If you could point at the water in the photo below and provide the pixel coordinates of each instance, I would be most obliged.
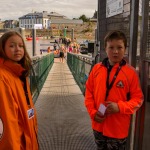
(40, 44)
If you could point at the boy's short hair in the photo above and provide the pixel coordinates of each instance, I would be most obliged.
(118, 35)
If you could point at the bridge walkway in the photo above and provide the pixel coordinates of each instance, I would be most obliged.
(63, 121)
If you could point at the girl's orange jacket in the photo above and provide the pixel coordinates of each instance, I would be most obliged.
(115, 125)
(18, 124)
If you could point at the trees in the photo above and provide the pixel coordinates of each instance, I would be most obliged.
(84, 18)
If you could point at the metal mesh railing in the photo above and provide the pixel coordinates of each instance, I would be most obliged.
(80, 67)
(148, 84)
(39, 71)
(148, 38)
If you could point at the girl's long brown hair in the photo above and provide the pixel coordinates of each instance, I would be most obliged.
(25, 61)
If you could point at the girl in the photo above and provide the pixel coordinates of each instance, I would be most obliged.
(17, 113)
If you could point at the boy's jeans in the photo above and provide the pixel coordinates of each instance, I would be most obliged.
(106, 143)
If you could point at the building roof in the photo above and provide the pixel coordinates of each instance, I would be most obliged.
(43, 14)
(57, 15)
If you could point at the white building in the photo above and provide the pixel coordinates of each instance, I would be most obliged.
(46, 19)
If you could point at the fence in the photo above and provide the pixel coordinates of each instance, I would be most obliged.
(80, 67)
(41, 66)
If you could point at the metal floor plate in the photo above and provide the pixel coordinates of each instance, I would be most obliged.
(63, 121)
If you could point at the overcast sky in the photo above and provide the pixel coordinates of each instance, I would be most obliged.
(13, 9)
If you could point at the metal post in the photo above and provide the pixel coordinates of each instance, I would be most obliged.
(34, 41)
(102, 22)
(133, 32)
(97, 32)
(72, 35)
(132, 56)
(65, 32)
(139, 143)
(22, 32)
(96, 44)
(98, 20)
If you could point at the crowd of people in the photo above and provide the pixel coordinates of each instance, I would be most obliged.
(69, 45)
(62, 46)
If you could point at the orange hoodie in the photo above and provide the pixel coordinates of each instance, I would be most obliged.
(127, 81)
(18, 129)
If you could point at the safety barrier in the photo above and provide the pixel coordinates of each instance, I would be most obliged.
(40, 68)
(80, 67)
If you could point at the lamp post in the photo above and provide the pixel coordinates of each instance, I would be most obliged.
(34, 37)
(65, 32)
(72, 35)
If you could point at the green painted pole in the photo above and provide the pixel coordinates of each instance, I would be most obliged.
(65, 32)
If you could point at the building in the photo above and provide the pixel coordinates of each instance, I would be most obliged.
(10, 24)
(46, 19)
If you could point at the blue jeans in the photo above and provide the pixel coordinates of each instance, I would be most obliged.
(107, 143)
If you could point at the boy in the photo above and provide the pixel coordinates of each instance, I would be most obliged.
(112, 94)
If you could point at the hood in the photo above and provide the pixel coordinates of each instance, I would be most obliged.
(13, 67)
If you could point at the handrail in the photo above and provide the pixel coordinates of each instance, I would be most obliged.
(80, 67)
(41, 66)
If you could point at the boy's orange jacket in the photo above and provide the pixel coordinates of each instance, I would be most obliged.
(18, 130)
(127, 81)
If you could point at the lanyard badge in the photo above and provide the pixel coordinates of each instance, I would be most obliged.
(30, 113)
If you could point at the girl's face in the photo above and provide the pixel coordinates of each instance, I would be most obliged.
(14, 48)
(115, 50)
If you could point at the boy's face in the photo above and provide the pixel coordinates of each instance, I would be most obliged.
(115, 50)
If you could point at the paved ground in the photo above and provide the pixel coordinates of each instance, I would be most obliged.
(63, 121)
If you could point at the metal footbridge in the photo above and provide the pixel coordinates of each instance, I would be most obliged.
(63, 121)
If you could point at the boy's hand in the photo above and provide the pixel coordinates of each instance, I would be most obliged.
(99, 117)
(112, 107)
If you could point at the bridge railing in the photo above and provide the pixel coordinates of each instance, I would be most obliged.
(80, 67)
(40, 68)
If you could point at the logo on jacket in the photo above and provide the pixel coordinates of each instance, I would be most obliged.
(1, 128)
(120, 84)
